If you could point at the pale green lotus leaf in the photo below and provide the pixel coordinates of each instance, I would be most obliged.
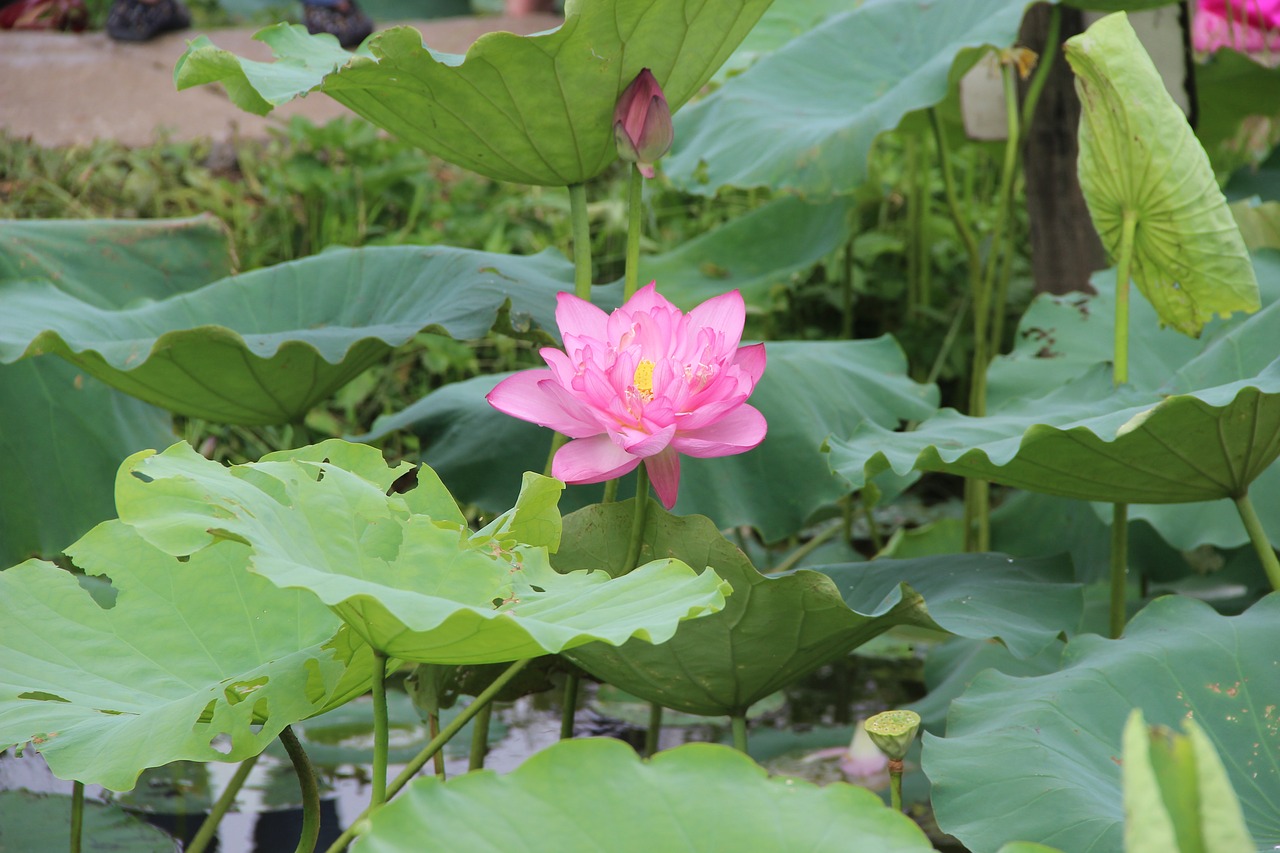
(587, 795)
(1139, 159)
(531, 109)
(416, 587)
(196, 659)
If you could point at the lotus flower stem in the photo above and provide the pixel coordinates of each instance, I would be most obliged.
(654, 732)
(739, 725)
(611, 490)
(480, 737)
(1119, 566)
(310, 791)
(815, 542)
(635, 210)
(210, 826)
(638, 520)
(437, 743)
(581, 241)
(1004, 210)
(77, 815)
(570, 706)
(1258, 537)
(380, 735)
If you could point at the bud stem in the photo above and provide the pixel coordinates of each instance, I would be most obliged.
(581, 241)
(635, 210)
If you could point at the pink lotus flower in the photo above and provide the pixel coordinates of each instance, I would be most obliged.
(642, 123)
(1249, 26)
(643, 384)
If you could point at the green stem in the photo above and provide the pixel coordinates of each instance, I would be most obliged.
(1120, 370)
(1119, 566)
(380, 734)
(977, 513)
(581, 241)
(953, 331)
(1258, 537)
(433, 731)
(77, 815)
(480, 738)
(953, 204)
(558, 441)
(437, 743)
(635, 209)
(1047, 57)
(210, 826)
(895, 785)
(739, 724)
(638, 520)
(611, 491)
(310, 790)
(846, 290)
(570, 706)
(654, 731)
(806, 549)
(868, 508)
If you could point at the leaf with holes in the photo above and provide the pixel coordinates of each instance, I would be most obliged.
(197, 659)
(1039, 758)
(693, 798)
(416, 586)
(531, 109)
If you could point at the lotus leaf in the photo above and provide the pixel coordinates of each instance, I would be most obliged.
(265, 346)
(777, 628)
(31, 822)
(531, 109)
(693, 798)
(809, 390)
(416, 587)
(1039, 758)
(196, 660)
(803, 118)
(1140, 164)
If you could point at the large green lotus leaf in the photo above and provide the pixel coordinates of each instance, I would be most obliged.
(266, 346)
(1082, 442)
(531, 109)
(803, 118)
(776, 629)
(116, 262)
(1139, 158)
(783, 21)
(196, 659)
(582, 796)
(62, 436)
(755, 253)
(1039, 758)
(416, 587)
(32, 822)
(810, 390)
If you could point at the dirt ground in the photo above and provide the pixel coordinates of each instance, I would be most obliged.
(65, 89)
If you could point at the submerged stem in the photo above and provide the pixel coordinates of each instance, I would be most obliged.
(635, 209)
(310, 790)
(380, 734)
(570, 706)
(77, 815)
(739, 724)
(654, 732)
(210, 826)
(581, 241)
(1119, 566)
(1258, 537)
(437, 743)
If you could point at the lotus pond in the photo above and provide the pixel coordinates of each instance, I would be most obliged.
(813, 518)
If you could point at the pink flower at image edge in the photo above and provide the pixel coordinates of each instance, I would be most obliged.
(643, 384)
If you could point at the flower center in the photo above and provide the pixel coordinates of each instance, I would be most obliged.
(643, 380)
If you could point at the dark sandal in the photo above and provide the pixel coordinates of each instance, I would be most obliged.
(133, 20)
(346, 22)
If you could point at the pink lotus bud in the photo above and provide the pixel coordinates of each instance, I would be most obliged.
(642, 123)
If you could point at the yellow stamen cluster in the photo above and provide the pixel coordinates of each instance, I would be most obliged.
(643, 380)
